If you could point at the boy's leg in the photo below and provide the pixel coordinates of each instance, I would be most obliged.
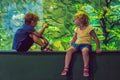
(43, 43)
(37, 40)
(48, 49)
(25, 44)
(45, 40)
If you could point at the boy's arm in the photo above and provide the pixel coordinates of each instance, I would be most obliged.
(43, 29)
(36, 34)
(40, 33)
(93, 34)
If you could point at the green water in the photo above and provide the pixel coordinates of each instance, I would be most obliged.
(104, 17)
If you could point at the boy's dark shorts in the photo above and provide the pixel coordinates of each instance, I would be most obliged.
(25, 44)
(79, 47)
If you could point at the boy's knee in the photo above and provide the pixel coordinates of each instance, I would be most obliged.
(31, 35)
(34, 37)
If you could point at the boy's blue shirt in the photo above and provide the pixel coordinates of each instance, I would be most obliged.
(21, 34)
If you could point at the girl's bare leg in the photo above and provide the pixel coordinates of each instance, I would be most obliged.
(85, 53)
(68, 57)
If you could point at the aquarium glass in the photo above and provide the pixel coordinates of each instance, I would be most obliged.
(58, 14)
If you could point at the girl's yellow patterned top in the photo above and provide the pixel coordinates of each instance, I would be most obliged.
(83, 36)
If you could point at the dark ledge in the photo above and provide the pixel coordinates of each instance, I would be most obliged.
(56, 53)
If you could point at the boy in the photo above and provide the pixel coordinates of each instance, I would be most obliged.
(26, 35)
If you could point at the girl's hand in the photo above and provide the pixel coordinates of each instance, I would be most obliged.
(70, 43)
(98, 51)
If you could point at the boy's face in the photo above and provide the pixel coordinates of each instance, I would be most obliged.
(33, 23)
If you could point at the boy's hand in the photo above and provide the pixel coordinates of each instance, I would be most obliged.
(45, 26)
(98, 51)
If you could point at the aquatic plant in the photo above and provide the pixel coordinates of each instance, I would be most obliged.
(104, 17)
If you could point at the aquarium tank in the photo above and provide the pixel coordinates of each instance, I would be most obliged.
(104, 18)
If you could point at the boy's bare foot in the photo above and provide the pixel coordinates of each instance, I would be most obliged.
(46, 49)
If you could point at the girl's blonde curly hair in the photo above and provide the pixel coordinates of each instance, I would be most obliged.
(83, 17)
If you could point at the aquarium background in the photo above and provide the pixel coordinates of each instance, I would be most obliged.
(104, 17)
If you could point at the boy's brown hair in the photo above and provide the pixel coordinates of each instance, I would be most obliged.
(83, 17)
(30, 17)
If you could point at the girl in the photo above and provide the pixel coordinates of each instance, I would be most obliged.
(81, 41)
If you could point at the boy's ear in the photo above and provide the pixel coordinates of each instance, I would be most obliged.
(32, 21)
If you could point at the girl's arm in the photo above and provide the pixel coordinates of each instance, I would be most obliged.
(74, 38)
(93, 34)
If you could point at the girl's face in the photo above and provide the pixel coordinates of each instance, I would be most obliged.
(78, 22)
